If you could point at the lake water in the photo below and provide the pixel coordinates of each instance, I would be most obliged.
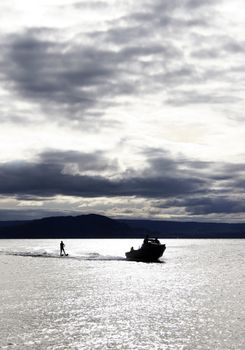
(95, 299)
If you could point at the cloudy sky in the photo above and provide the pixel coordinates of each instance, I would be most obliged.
(124, 108)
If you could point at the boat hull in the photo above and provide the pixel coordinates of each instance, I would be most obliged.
(147, 253)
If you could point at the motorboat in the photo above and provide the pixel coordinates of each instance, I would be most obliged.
(150, 251)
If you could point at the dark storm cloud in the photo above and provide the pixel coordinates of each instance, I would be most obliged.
(47, 177)
(224, 188)
(46, 180)
(96, 161)
(73, 81)
(196, 187)
(49, 72)
(204, 206)
(79, 81)
(219, 177)
(50, 180)
(239, 184)
(160, 161)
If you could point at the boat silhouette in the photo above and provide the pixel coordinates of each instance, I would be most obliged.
(150, 251)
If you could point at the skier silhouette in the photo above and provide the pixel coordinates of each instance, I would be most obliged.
(62, 249)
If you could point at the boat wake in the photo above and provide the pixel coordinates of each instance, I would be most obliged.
(44, 254)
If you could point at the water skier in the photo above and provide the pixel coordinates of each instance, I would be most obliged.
(62, 249)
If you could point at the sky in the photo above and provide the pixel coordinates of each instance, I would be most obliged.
(130, 109)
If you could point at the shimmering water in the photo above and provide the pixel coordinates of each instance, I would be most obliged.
(95, 299)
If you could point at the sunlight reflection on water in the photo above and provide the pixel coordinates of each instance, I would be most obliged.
(194, 300)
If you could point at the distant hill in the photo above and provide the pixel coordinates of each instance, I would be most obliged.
(11, 223)
(98, 226)
(82, 226)
(175, 229)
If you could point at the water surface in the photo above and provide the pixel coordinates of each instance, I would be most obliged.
(95, 299)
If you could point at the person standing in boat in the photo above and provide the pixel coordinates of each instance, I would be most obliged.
(146, 239)
(62, 248)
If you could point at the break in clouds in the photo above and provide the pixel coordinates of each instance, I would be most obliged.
(137, 104)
